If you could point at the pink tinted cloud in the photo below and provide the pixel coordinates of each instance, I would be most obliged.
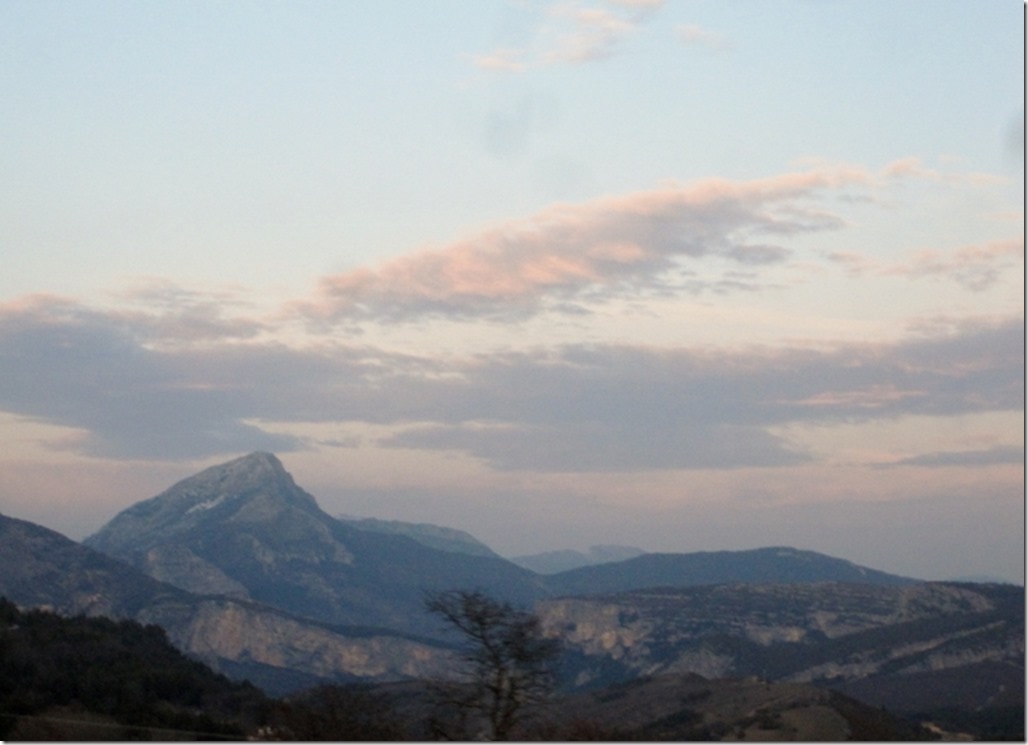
(613, 244)
(594, 33)
(507, 59)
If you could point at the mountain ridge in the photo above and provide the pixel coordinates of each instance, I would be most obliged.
(554, 562)
(769, 564)
(264, 583)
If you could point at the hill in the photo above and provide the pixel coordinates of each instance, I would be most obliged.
(780, 564)
(95, 678)
(673, 708)
(553, 562)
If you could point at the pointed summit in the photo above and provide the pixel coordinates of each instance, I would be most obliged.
(244, 529)
(255, 487)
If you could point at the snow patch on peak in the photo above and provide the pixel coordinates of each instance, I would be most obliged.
(210, 503)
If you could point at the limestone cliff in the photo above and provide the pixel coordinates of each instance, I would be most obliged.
(788, 632)
(220, 630)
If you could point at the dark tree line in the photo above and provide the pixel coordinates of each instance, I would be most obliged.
(88, 679)
(109, 680)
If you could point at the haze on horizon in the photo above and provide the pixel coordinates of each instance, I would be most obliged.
(681, 275)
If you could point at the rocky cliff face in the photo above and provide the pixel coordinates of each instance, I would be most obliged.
(255, 488)
(813, 632)
(222, 630)
(42, 569)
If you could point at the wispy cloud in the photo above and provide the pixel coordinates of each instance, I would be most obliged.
(617, 244)
(573, 33)
(504, 60)
(975, 267)
(999, 455)
(693, 35)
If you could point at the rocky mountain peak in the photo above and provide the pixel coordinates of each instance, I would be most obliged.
(251, 488)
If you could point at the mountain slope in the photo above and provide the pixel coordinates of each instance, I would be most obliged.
(433, 536)
(40, 568)
(776, 564)
(245, 529)
(95, 678)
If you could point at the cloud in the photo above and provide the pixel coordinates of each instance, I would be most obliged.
(629, 243)
(567, 408)
(607, 446)
(975, 267)
(693, 35)
(631, 408)
(502, 60)
(572, 33)
(591, 34)
(1000, 455)
(90, 370)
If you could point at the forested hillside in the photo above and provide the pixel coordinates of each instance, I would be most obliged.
(97, 678)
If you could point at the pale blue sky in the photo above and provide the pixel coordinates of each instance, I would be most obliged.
(435, 253)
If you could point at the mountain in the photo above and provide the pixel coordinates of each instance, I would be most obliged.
(920, 649)
(285, 591)
(433, 536)
(40, 568)
(553, 562)
(244, 529)
(777, 564)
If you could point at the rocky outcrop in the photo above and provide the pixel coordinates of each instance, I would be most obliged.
(179, 566)
(812, 632)
(220, 630)
(42, 569)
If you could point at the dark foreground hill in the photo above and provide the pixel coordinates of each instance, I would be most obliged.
(671, 708)
(99, 679)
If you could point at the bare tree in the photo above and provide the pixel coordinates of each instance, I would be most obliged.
(507, 664)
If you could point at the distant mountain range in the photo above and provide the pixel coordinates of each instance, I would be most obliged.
(245, 571)
(553, 562)
(433, 536)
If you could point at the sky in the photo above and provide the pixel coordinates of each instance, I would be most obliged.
(686, 275)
